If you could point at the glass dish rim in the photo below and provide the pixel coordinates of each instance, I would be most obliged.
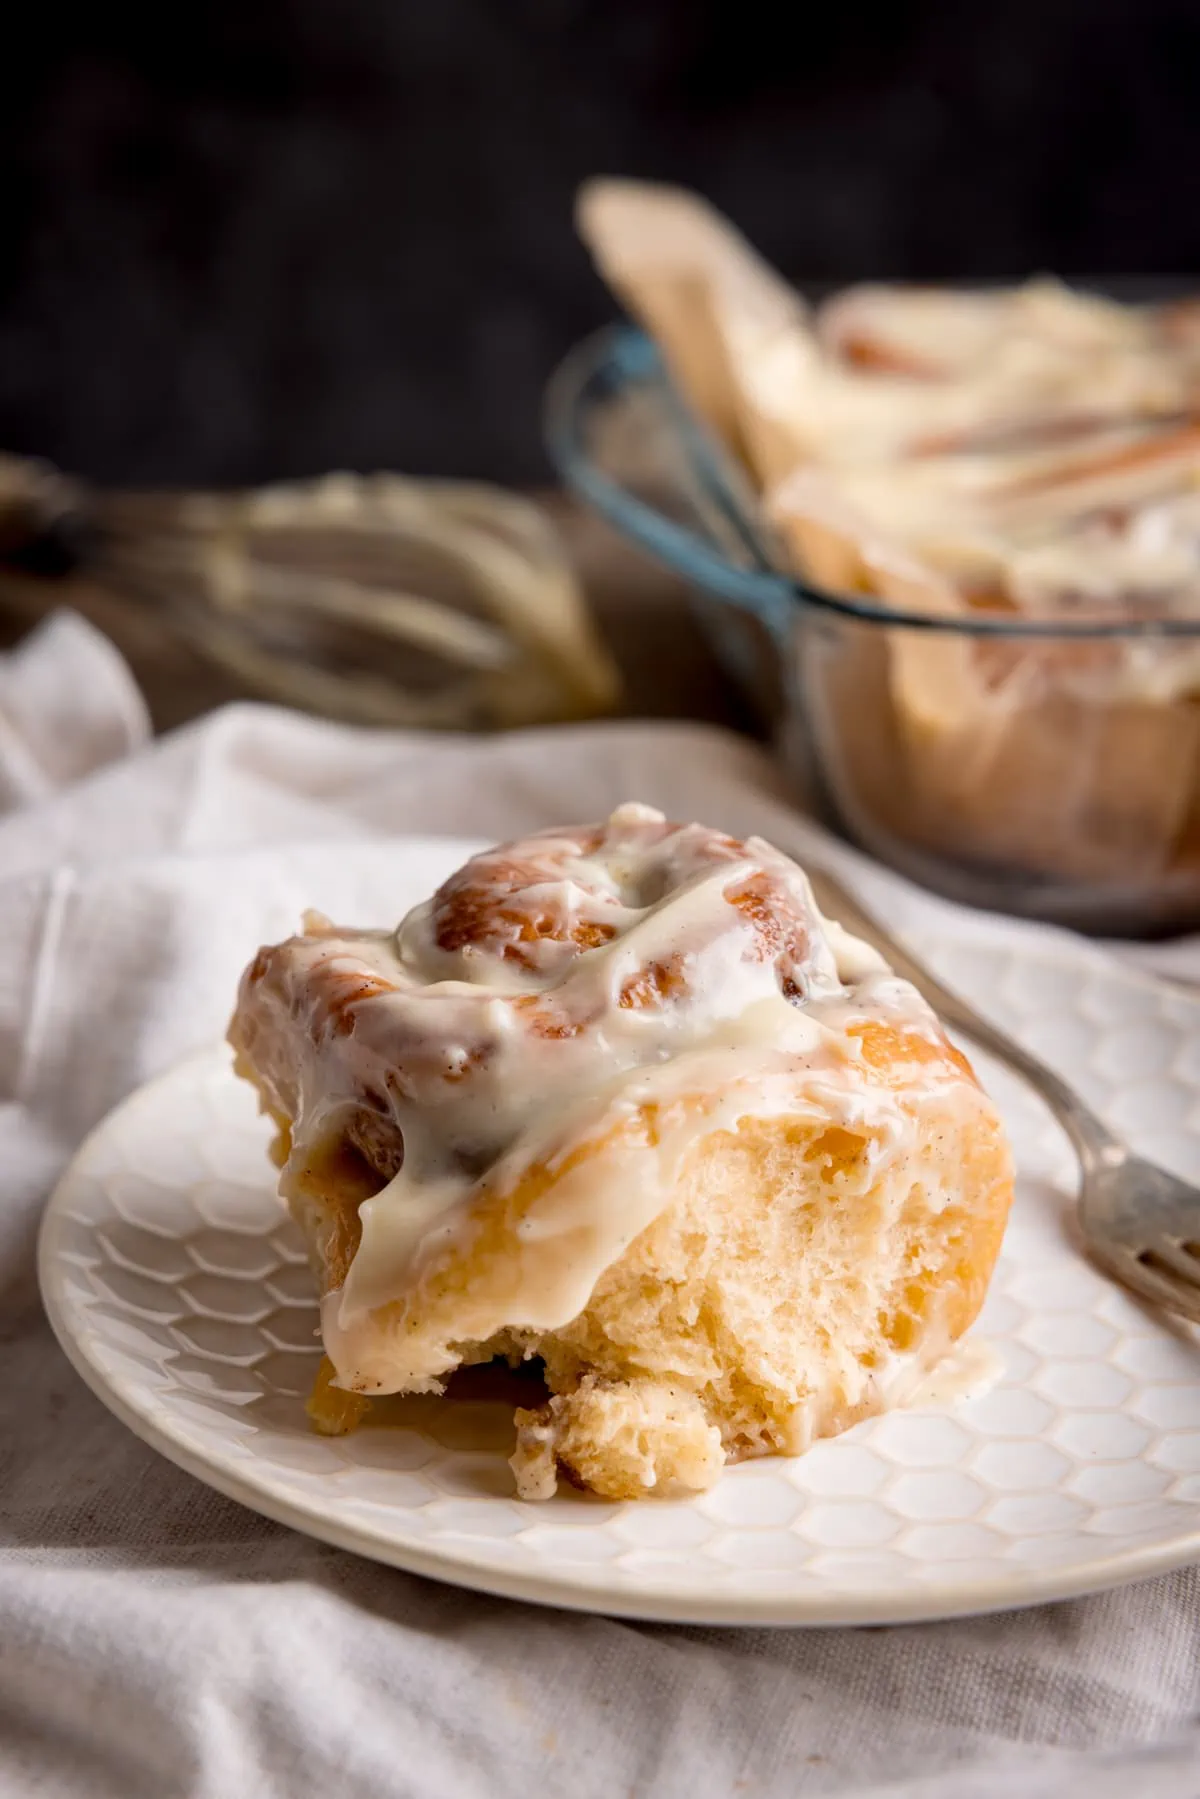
(620, 355)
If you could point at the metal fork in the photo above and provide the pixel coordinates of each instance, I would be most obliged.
(1141, 1224)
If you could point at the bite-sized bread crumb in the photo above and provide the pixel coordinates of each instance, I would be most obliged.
(623, 1439)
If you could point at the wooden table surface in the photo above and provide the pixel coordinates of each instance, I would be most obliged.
(667, 666)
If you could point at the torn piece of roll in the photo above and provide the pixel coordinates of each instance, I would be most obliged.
(620, 1098)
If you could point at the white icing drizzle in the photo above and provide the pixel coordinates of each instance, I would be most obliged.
(970, 1369)
(1033, 451)
(893, 372)
(492, 1053)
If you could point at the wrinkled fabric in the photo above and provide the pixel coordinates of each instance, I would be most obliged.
(158, 1640)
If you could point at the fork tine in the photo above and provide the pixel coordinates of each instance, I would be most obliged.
(1170, 1252)
(1149, 1282)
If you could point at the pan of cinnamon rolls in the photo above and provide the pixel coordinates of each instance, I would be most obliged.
(953, 538)
(619, 1101)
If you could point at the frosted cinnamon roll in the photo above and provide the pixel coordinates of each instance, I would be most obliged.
(618, 1097)
(1030, 452)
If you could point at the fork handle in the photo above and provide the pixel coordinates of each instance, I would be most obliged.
(1092, 1139)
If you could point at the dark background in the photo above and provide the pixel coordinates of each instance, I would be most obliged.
(261, 239)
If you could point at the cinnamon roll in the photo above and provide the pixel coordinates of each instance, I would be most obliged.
(1032, 452)
(618, 1097)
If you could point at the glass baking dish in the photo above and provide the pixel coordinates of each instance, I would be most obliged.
(1045, 768)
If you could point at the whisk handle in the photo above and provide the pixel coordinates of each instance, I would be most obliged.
(46, 526)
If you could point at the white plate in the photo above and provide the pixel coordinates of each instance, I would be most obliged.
(181, 1294)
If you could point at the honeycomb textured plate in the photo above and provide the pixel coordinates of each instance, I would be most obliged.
(181, 1294)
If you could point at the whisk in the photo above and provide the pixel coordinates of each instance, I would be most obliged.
(378, 599)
